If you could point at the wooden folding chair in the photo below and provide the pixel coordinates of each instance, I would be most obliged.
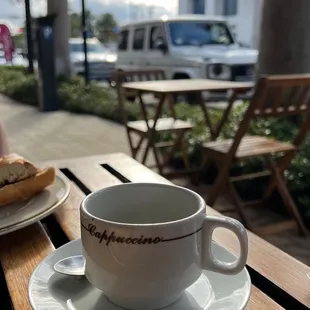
(274, 96)
(147, 128)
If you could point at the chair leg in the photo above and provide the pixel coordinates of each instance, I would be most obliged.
(238, 204)
(173, 148)
(281, 167)
(137, 148)
(146, 152)
(132, 148)
(286, 196)
(218, 185)
(184, 154)
(158, 163)
(290, 205)
(206, 162)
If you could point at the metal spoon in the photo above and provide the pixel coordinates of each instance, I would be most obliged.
(71, 266)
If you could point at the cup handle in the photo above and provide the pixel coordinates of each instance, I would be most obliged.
(210, 262)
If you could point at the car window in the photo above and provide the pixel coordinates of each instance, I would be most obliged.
(91, 47)
(155, 34)
(199, 33)
(138, 39)
(123, 43)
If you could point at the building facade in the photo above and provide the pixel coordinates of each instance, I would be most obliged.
(243, 15)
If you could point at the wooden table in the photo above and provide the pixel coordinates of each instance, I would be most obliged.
(165, 89)
(279, 280)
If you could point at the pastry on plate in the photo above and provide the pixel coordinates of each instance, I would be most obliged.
(21, 180)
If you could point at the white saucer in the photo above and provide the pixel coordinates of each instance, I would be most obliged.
(49, 290)
(20, 214)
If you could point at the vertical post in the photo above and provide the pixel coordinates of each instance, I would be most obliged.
(61, 31)
(29, 36)
(86, 73)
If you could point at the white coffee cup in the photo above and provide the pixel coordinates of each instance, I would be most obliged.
(145, 243)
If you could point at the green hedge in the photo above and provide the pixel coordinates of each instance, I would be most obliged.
(17, 85)
(74, 96)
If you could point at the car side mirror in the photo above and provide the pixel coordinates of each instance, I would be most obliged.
(162, 46)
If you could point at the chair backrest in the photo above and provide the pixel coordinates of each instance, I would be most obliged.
(283, 95)
(120, 77)
(278, 96)
(140, 75)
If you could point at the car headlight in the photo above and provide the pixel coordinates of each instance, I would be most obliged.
(219, 72)
(111, 58)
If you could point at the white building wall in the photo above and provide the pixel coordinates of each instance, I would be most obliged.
(245, 24)
(185, 7)
(212, 7)
(257, 23)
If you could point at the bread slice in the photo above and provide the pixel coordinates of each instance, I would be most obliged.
(14, 168)
(27, 188)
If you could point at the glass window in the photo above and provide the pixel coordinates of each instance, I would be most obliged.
(230, 7)
(123, 41)
(138, 39)
(155, 34)
(199, 6)
(199, 33)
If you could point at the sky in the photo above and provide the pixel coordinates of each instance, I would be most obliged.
(167, 4)
(12, 13)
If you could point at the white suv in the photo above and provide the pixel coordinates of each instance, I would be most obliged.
(191, 46)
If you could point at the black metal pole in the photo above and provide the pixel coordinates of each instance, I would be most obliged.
(29, 36)
(84, 29)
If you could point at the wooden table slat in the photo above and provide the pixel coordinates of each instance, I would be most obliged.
(275, 265)
(68, 216)
(260, 301)
(93, 176)
(20, 253)
(133, 170)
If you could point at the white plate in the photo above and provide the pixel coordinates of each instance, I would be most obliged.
(49, 290)
(20, 214)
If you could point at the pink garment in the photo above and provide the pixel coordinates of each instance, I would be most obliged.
(7, 42)
(4, 147)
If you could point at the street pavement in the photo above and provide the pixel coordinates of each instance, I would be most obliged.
(55, 135)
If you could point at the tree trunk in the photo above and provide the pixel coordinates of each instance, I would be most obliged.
(61, 35)
(284, 38)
